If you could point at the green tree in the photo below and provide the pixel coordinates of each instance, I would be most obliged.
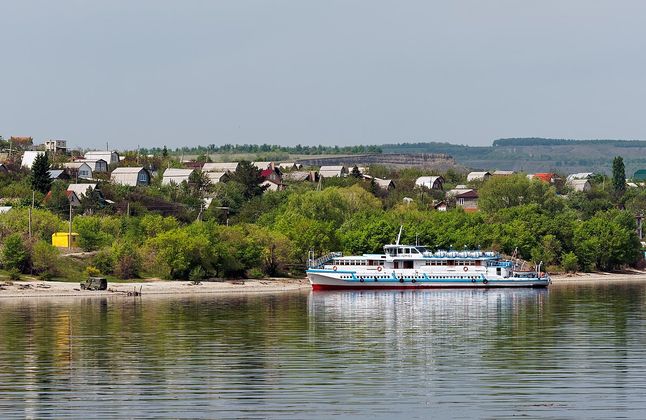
(570, 262)
(40, 180)
(510, 191)
(618, 176)
(15, 255)
(249, 177)
(355, 173)
(46, 260)
(165, 152)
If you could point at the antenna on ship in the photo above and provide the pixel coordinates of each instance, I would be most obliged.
(400, 234)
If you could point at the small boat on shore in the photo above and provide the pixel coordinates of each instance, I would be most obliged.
(416, 267)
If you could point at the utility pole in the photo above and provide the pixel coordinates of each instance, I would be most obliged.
(69, 237)
(30, 222)
(33, 198)
(128, 210)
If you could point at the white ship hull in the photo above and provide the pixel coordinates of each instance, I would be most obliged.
(326, 279)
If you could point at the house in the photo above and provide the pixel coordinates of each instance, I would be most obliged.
(385, 184)
(264, 165)
(333, 171)
(272, 186)
(220, 167)
(639, 175)
(430, 182)
(467, 200)
(301, 176)
(58, 174)
(72, 197)
(81, 190)
(78, 169)
(503, 173)
(478, 176)
(216, 177)
(108, 156)
(459, 189)
(580, 185)
(56, 146)
(290, 166)
(272, 175)
(29, 156)
(176, 176)
(97, 165)
(4, 209)
(131, 176)
(441, 206)
(580, 175)
(547, 177)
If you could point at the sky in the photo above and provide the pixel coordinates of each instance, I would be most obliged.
(183, 73)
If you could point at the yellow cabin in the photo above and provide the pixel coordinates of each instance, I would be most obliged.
(60, 239)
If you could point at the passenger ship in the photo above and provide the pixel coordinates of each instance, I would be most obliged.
(415, 267)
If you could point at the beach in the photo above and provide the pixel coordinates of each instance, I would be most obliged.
(36, 288)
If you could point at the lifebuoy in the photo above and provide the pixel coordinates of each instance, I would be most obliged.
(414, 280)
(401, 280)
(380, 268)
(473, 280)
(485, 281)
(334, 267)
(361, 279)
(466, 268)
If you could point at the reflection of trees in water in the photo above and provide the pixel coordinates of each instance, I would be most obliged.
(141, 341)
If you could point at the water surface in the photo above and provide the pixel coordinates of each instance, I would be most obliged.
(570, 351)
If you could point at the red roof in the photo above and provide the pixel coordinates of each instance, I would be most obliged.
(266, 173)
(545, 177)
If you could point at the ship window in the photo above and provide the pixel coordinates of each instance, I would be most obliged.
(406, 250)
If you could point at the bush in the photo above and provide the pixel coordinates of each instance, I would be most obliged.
(14, 275)
(196, 275)
(127, 260)
(46, 260)
(104, 261)
(92, 271)
(570, 262)
(15, 255)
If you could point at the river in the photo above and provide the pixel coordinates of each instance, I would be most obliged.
(571, 351)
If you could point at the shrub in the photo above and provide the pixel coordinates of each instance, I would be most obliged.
(15, 255)
(570, 262)
(196, 275)
(14, 275)
(92, 271)
(127, 260)
(46, 260)
(104, 261)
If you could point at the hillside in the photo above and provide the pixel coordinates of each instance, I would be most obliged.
(538, 154)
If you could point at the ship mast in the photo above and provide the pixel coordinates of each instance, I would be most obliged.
(399, 235)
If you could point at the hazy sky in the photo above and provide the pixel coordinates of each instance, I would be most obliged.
(330, 72)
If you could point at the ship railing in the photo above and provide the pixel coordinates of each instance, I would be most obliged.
(320, 261)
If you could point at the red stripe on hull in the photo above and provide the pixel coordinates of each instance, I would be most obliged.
(426, 286)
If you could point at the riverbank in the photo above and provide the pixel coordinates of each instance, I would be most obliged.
(19, 289)
(600, 277)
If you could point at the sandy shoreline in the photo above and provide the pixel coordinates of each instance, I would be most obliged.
(21, 289)
(35, 288)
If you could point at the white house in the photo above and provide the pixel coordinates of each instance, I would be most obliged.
(503, 173)
(333, 171)
(580, 175)
(81, 189)
(133, 177)
(97, 165)
(216, 177)
(478, 176)
(580, 185)
(106, 155)
(220, 167)
(264, 165)
(79, 169)
(56, 146)
(176, 176)
(430, 182)
(29, 156)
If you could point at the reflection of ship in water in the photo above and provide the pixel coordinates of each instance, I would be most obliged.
(426, 317)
